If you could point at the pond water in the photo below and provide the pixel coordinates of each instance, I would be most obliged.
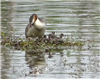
(76, 19)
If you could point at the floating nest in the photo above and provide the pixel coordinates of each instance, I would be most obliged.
(50, 41)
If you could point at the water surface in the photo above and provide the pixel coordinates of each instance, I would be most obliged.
(78, 20)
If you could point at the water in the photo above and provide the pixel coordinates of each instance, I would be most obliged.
(78, 20)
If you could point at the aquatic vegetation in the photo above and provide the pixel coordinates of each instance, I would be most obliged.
(2, 34)
(51, 42)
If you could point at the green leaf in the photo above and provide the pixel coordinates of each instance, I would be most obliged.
(7, 44)
(20, 39)
(51, 50)
(2, 34)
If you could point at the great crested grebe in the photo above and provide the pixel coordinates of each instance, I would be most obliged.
(36, 27)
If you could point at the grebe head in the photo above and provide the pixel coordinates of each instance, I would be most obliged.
(32, 19)
(38, 23)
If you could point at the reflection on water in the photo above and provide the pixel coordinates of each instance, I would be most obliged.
(79, 20)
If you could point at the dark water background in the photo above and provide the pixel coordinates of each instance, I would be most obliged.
(79, 20)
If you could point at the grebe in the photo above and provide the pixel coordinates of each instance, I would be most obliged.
(36, 27)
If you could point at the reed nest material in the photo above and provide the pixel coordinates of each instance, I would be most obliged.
(47, 41)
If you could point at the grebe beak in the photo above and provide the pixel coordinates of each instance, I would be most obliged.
(32, 22)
